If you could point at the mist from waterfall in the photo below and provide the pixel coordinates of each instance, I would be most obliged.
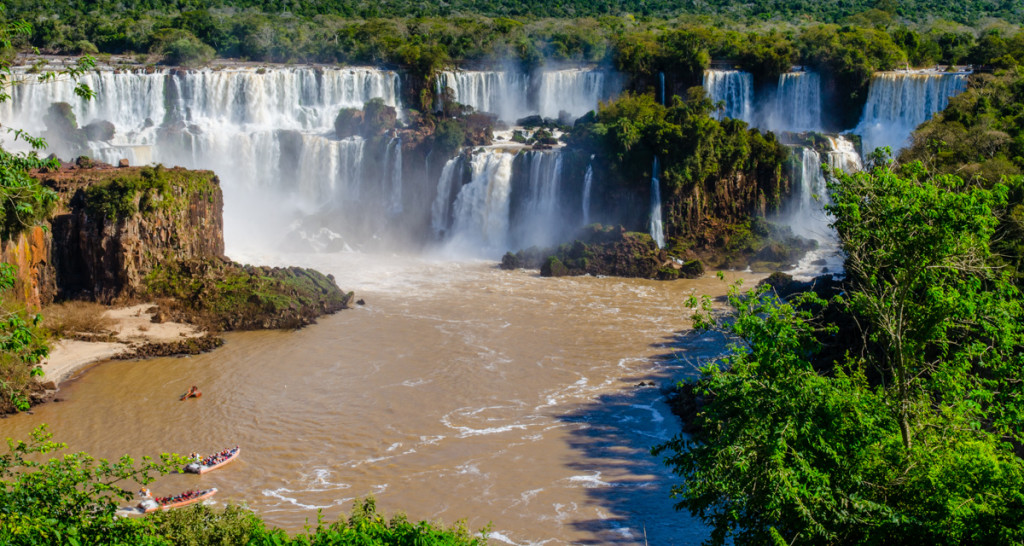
(900, 101)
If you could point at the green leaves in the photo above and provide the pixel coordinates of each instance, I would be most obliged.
(909, 439)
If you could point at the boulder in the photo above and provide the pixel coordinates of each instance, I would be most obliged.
(100, 131)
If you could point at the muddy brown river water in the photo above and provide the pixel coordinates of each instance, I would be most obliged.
(459, 391)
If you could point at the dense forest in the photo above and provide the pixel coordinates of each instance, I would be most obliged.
(832, 11)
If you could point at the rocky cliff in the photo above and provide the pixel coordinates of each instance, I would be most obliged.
(113, 226)
(131, 234)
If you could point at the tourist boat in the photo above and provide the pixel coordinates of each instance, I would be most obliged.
(214, 461)
(151, 504)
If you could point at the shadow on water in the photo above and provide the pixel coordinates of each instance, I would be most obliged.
(613, 437)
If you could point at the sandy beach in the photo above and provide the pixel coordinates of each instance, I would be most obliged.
(133, 327)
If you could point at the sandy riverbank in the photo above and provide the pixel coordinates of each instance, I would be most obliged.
(133, 327)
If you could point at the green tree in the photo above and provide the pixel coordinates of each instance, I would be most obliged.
(909, 437)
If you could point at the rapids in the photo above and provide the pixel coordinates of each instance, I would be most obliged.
(458, 391)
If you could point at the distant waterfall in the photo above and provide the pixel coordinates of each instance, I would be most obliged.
(900, 101)
(797, 105)
(661, 88)
(260, 129)
(655, 224)
(735, 89)
(440, 210)
(575, 91)
(513, 95)
(536, 217)
(588, 182)
(504, 93)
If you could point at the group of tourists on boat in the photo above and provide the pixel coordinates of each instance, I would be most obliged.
(215, 458)
(187, 495)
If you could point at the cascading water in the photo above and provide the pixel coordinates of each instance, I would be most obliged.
(900, 101)
(797, 104)
(535, 218)
(843, 155)
(513, 95)
(440, 210)
(504, 93)
(588, 182)
(265, 129)
(735, 89)
(480, 214)
(661, 88)
(657, 233)
(807, 216)
(574, 91)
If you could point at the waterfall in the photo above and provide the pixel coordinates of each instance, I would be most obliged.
(735, 89)
(797, 105)
(504, 93)
(535, 214)
(268, 130)
(574, 91)
(440, 210)
(843, 155)
(656, 230)
(900, 101)
(513, 95)
(481, 210)
(588, 181)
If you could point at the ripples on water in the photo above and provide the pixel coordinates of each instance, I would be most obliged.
(458, 391)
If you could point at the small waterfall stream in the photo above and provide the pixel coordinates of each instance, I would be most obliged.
(588, 182)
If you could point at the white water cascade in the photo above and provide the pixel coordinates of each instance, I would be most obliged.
(535, 218)
(480, 214)
(440, 209)
(797, 105)
(504, 93)
(269, 130)
(808, 217)
(512, 95)
(734, 88)
(657, 233)
(900, 101)
(588, 183)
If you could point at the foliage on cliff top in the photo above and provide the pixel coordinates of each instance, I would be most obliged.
(119, 194)
(229, 296)
(908, 438)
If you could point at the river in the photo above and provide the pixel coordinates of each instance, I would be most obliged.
(458, 391)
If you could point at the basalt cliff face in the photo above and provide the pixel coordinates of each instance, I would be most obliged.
(131, 234)
(114, 226)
